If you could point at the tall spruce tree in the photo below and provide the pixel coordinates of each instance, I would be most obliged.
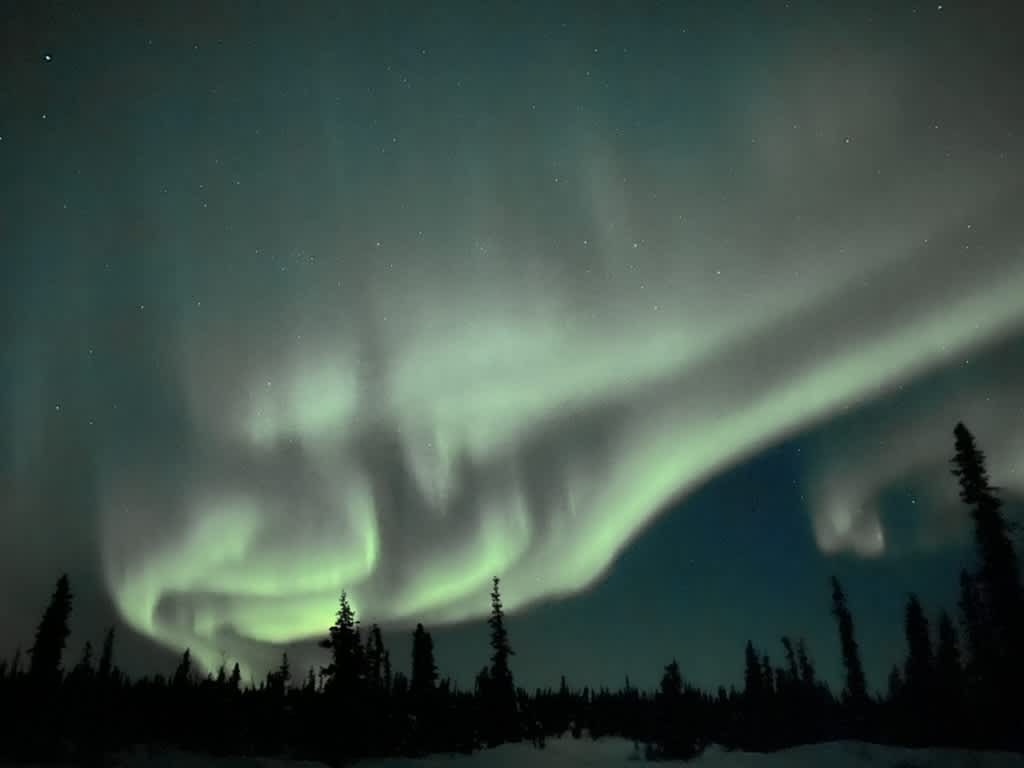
(85, 666)
(808, 675)
(501, 673)
(424, 669)
(344, 673)
(674, 736)
(996, 662)
(753, 682)
(283, 676)
(235, 680)
(106, 665)
(855, 691)
(183, 672)
(792, 670)
(51, 637)
(500, 687)
(998, 580)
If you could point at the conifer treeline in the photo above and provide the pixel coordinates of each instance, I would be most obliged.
(955, 687)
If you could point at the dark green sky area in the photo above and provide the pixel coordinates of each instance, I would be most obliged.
(662, 311)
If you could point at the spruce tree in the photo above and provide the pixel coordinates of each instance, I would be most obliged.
(501, 692)
(346, 683)
(501, 674)
(84, 669)
(183, 672)
(808, 676)
(999, 587)
(753, 682)
(344, 673)
(235, 680)
(792, 671)
(51, 637)
(284, 674)
(424, 669)
(674, 736)
(855, 693)
(755, 701)
(106, 664)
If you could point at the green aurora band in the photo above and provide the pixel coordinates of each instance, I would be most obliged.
(501, 344)
(507, 438)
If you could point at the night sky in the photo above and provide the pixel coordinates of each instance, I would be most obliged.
(662, 314)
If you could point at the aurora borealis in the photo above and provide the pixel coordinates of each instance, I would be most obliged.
(397, 301)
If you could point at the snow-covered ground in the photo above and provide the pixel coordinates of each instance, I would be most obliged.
(617, 753)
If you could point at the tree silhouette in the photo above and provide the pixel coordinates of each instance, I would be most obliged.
(424, 670)
(183, 672)
(996, 606)
(235, 679)
(952, 688)
(674, 737)
(808, 675)
(501, 674)
(792, 670)
(106, 665)
(283, 676)
(753, 682)
(51, 637)
(500, 686)
(345, 682)
(855, 693)
(83, 670)
(343, 641)
(999, 578)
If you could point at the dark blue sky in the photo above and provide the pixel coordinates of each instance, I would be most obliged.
(662, 313)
